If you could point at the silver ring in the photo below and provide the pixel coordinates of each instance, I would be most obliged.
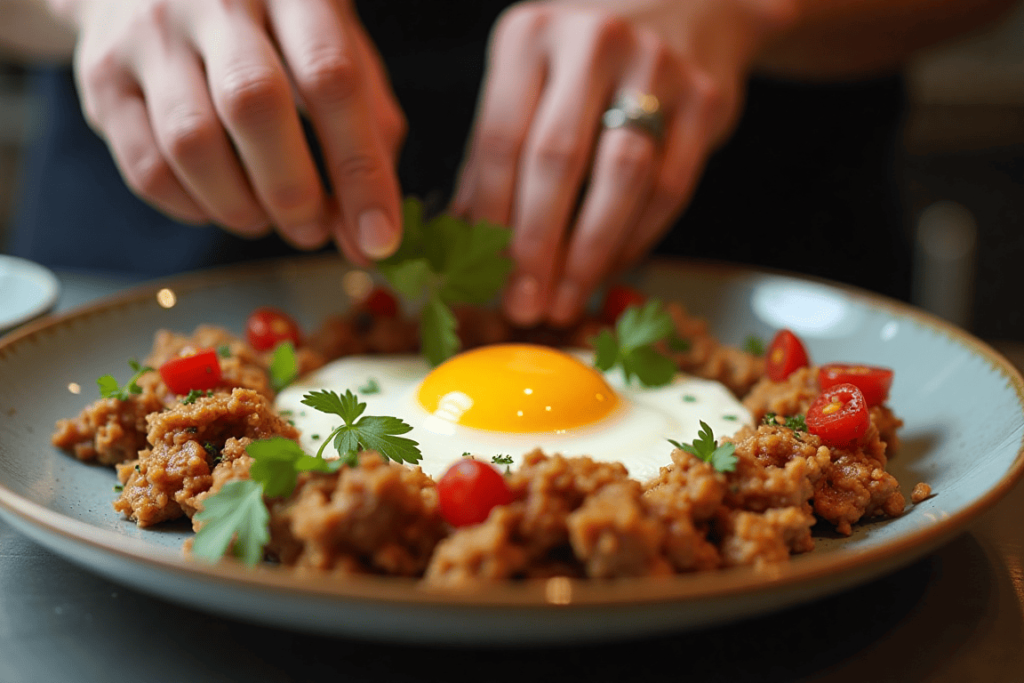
(636, 110)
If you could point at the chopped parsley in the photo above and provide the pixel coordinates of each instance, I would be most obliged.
(371, 387)
(798, 423)
(109, 388)
(502, 460)
(705, 447)
(754, 345)
(193, 394)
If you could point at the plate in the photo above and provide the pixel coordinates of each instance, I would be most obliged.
(963, 404)
(27, 290)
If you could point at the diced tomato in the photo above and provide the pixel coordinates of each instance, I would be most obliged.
(785, 354)
(873, 382)
(381, 303)
(267, 327)
(469, 490)
(617, 299)
(199, 371)
(839, 416)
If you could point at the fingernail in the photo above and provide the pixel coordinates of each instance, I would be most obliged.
(378, 238)
(309, 236)
(567, 301)
(523, 302)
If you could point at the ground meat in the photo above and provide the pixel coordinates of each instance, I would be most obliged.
(376, 517)
(184, 443)
(921, 492)
(706, 357)
(856, 485)
(108, 431)
(791, 396)
(240, 365)
(760, 538)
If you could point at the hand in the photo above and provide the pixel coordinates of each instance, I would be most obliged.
(538, 151)
(199, 103)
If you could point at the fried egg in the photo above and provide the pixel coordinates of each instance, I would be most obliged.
(504, 400)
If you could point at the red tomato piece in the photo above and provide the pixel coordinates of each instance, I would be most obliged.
(199, 371)
(839, 416)
(382, 303)
(873, 382)
(785, 354)
(617, 299)
(267, 327)
(469, 490)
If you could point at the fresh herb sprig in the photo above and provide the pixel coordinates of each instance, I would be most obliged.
(370, 432)
(721, 458)
(633, 344)
(442, 262)
(236, 519)
(109, 388)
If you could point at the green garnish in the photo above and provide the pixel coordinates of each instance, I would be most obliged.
(236, 517)
(109, 388)
(371, 387)
(193, 394)
(798, 423)
(502, 460)
(369, 432)
(446, 261)
(284, 366)
(224, 351)
(632, 345)
(721, 458)
(754, 345)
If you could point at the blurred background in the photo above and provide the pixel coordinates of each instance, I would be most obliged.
(962, 168)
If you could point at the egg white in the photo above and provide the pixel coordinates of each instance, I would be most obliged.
(635, 433)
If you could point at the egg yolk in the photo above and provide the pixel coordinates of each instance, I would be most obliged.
(517, 388)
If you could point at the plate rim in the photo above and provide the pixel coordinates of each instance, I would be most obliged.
(529, 594)
(40, 274)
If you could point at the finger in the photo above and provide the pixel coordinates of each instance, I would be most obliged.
(512, 90)
(328, 72)
(253, 97)
(556, 156)
(688, 137)
(114, 108)
(193, 141)
(623, 171)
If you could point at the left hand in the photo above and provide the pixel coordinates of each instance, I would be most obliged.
(538, 150)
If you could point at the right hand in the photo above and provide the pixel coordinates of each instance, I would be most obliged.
(199, 104)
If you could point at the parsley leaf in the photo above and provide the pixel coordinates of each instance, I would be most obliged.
(109, 387)
(375, 433)
(502, 460)
(445, 261)
(632, 345)
(284, 366)
(721, 458)
(754, 345)
(235, 517)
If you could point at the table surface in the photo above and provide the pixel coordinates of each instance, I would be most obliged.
(957, 615)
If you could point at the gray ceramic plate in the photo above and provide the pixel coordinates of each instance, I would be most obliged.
(27, 290)
(963, 404)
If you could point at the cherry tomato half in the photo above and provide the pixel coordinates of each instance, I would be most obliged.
(617, 299)
(267, 327)
(785, 354)
(381, 303)
(469, 490)
(839, 416)
(873, 382)
(200, 371)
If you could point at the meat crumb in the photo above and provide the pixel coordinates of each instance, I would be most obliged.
(921, 492)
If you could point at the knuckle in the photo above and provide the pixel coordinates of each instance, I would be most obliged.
(188, 135)
(292, 198)
(499, 146)
(147, 173)
(253, 95)
(358, 167)
(330, 77)
(560, 154)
